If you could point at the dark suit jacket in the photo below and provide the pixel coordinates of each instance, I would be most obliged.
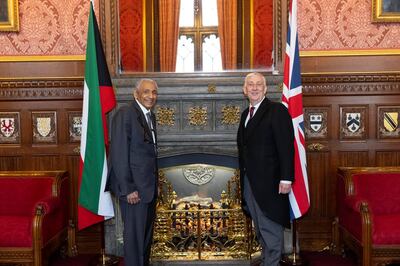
(133, 159)
(266, 156)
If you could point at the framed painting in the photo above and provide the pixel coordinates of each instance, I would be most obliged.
(386, 10)
(9, 18)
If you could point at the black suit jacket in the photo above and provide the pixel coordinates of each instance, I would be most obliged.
(133, 157)
(266, 156)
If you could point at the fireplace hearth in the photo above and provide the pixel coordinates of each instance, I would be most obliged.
(194, 223)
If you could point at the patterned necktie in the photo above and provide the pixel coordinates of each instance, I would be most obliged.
(153, 133)
(251, 112)
(149, 121)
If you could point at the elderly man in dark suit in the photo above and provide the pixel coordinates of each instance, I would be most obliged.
(266, 159)
(133, 174)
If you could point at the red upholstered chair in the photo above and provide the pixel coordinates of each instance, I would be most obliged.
(368, 213)
(34, 215)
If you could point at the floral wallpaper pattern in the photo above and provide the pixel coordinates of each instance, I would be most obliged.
(48, 27)
(55, 27)
(343, 24)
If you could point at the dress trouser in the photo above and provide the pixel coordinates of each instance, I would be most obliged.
(269, 233)
(138, 231)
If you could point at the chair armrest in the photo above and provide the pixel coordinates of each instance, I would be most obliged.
(350, 214)
(354, 202)
(47, 205)
(50, 218)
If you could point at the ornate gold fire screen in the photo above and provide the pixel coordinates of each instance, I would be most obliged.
(194, 223)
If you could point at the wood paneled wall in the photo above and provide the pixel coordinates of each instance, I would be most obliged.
(30, 97)
(330, 95)
(334, 95)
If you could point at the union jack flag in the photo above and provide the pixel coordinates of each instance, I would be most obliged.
(292, 98)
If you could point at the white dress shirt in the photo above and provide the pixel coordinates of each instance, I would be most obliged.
(145, 111)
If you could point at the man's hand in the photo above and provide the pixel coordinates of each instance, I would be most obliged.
(284, 188)
(133, 198)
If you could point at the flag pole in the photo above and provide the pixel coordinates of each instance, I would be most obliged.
(294, 257)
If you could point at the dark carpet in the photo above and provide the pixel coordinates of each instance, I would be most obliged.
(326, 258)
(312, 259)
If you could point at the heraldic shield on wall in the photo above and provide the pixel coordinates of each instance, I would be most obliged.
(316, 122)
(44, 127)
(75, 126)
(9, 128)
(388, 122)
(353, 122)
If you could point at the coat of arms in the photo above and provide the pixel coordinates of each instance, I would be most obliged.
(43, 126)
(9, 128)
(7, 125)
(353, 121)
(77, 125)
(390, 121)
(316, 122)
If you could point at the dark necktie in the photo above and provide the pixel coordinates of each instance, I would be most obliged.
(251, 112)
(149, 121)
(153, 133)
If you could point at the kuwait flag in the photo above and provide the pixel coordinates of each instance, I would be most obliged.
(94, 204)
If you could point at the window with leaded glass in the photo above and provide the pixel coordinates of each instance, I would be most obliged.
(198, 43)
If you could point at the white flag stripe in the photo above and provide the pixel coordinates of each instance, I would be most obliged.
(85, 114)
(105, 202)
(293, 204)
(295, 91)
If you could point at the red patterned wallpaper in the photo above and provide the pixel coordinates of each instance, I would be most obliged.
(54, 27)
(48, 27)
(343, 25)
(263, 33)
(131, 35)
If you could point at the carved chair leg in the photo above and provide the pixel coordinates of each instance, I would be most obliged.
(335, 246)
(72, 248)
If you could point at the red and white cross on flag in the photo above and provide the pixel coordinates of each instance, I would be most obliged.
(292, 98)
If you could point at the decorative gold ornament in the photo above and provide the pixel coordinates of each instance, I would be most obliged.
(230, 115)
(212, 88)
(165, 116)
(199, 174)
(199, 230)
(316, 147)
(197, 116)
(280, 86)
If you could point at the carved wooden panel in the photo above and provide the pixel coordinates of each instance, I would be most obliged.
(89, 241)
(353, 158)
(72, 163)
(10, 163)
(319, 182)
(357, 137)
(45, 162)
(388, 158)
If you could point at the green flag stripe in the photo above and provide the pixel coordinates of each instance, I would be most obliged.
(95, 149)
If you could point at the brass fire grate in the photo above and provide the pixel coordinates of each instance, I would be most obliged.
(196, 230)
